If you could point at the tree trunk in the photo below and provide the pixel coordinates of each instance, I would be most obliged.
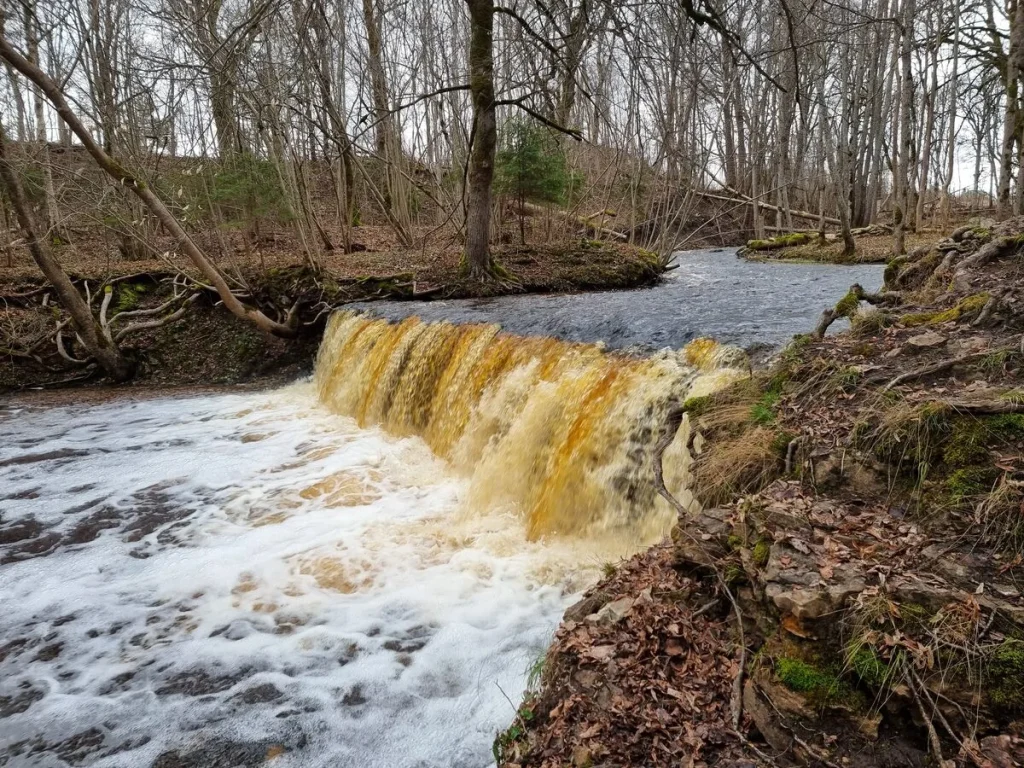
(1011, 116)
(901, 165)
(478, 262)
(42, 140)
(99, 346)
(944, 201)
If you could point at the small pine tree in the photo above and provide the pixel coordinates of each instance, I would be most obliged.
(531, 166)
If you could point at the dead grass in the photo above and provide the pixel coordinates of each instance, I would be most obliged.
(738, 465)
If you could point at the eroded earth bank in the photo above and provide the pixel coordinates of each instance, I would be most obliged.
(852, 592)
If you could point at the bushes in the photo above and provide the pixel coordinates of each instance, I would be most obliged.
(531, 166)
(238, 193)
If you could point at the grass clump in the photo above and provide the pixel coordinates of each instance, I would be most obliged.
(869, 667)
(763, 411)
(694, 407)
(893, 269)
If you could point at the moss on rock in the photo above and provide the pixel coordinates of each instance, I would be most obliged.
(1005, 673)
(970, 305)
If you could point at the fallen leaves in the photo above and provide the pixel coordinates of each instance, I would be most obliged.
(660, 695)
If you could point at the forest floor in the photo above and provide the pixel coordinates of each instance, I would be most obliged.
(209, 346)
(853, 593)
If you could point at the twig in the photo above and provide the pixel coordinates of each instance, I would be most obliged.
(934, 745)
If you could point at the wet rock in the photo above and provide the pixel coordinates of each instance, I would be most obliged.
(117, 683)
(590, 604)
(13, 647)
(90, 529)
(21, 701)
(35, 458)
(221, 753)
(200, 683)
(924, 341)
(354, 697)
(37, 547)
(765, 719)
(73, 751)
(613, 612)
(77, 749)
(49, 652)
(409, 645)
(259, 694)
(20, 530)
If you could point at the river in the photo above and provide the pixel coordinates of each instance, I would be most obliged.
(357, 570)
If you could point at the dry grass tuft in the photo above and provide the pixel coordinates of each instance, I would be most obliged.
(737, 465)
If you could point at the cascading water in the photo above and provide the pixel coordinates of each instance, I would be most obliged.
(353, 572)
(561, 433)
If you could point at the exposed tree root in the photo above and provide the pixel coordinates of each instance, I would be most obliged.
(928, 370)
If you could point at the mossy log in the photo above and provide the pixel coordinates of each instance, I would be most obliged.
(782, 241)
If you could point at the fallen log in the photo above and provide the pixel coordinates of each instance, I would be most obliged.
(583, 221)
(741, 198)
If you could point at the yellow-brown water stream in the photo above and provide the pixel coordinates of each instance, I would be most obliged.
(560, 433)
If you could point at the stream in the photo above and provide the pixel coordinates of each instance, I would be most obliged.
(360, 569)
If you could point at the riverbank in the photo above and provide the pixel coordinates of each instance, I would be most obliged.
(209, 346)
(852, 593)
(874, 246)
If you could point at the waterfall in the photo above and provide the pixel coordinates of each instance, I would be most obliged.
(561, 434)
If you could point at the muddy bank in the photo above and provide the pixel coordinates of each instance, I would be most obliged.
(209, 346)
(859, 564)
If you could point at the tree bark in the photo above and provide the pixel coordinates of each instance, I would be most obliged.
(480, 174)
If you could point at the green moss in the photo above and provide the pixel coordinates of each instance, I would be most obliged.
(128, 296)
(697, 406)
(970, 438)
(1005, 673)
(869, 667)
(966, 444)
(893, 269)
(847, 305)
(734, 574)
(914, 616)
(782, 241)
(803, 677)
(762, 551)
(968, 482)
(968, 306)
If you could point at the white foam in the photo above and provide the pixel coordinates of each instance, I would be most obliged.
(323, 559)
